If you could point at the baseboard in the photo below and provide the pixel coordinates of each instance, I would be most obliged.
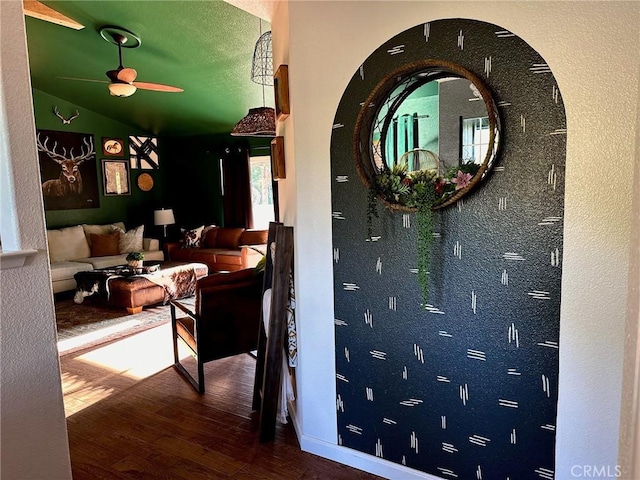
(355, 459)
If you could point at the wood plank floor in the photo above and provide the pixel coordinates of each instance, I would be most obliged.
(130, 415)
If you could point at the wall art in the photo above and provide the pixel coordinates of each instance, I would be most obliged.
(113, 147)
(466, 385)
(68, 170)
(144, 152)
(281, 91)
(145, 182)
(115, 177)
(278, 171)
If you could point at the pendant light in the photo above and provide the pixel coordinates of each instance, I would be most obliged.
(260, 121)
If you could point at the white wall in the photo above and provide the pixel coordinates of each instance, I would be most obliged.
(593, 50)
(33, 428)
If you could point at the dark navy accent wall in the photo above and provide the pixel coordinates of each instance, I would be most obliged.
(466, 387)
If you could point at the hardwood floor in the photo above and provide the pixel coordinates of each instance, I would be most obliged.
(130, 415)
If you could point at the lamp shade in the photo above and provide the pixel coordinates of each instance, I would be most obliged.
(259, 122)
(163, 217)
(122, 89)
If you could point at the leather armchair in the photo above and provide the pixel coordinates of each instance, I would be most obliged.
(224, 322)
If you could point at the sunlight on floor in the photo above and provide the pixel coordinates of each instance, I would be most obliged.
(132, 358)
(79, 340)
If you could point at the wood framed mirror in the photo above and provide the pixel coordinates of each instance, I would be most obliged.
(428, 134)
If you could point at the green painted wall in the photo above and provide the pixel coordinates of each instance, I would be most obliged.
(133, 209)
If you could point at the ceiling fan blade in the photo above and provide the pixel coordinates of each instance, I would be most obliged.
(83, 79)
(158, 87)
(35, 9)
(127, 75)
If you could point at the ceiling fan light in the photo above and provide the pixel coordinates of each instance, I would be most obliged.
(259, 122)
(122, 89)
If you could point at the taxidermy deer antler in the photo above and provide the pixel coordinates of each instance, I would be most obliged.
(65, 121)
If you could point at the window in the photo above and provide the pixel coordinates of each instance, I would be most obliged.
(475, 139)
(261, 192)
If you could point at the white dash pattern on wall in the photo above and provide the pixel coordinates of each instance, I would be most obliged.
(340, 323)
(548, 426)
(336, 126)
(444, 333)
(545, 385)
(502, 203)
(476, 355)
(464, 393)
(555, 258)
(339, 404)
(414, 441)
(487, 66)
(457, 250)
(448, 472)
(417, 351)
(540, 295)
(558, 131)
(431, 309)
(540, 68)
(368, 318)
(549, 220)
(513, 256)
(388, 421)
(337, 216)
(350, 287)
(354, 429)
(379, 266)
(373, 238)
(379, 449)
(514, 335)
(461, 40)
(523, 123)
(378, 354)
(513, 371)
(369, 392)
(449, 447)
(504, 34)
(405, 373)
(362, 72)
(479, 473)
(406, 220)
(393, 303)
(347, 354)
(505, 278)
(412, 402)
(514, 437)
(396, 50)
(474, 302)
(555, 93)
(443, 379)
(552, 177)
(460, 204)
(342, 378)
(342, 178)
(479, 440)
(336, 254)
(545, 473)
(426, 31)
(443, 422)
(549, 344)
(507, 403)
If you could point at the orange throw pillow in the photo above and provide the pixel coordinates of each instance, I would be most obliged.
(105, 245)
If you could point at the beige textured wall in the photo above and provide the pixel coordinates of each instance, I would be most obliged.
(593, 50)
(32, 422)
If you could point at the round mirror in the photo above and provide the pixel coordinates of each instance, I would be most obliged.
(427, 134)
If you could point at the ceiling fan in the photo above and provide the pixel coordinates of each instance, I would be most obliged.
(123, 82)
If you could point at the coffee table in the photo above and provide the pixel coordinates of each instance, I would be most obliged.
(120, 288)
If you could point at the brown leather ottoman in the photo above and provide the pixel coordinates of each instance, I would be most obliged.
(135, 292)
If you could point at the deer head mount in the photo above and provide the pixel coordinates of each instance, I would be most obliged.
(70, 180)
(65, 121)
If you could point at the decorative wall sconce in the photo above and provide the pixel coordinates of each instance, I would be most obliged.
(281, 88)
(277, 159)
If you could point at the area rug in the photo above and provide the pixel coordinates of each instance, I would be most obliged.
(93, 323)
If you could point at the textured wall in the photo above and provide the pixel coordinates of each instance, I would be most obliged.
(469, 386)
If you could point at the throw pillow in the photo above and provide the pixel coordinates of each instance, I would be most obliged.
(228, 237)
(209, 238)
(67, 244)
(101, 229)
(192, 238)
(131, 241)
(105, 244)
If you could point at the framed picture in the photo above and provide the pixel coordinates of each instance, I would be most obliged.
(143, 152)
(281, 89)
(113, 147)
(115, 177)
(68, 170)
(277, 159)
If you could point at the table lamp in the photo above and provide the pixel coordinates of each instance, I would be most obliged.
(164, 217)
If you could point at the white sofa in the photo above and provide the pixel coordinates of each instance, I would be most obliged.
(70, 251)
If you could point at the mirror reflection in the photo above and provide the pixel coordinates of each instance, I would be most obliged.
(431, 124)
